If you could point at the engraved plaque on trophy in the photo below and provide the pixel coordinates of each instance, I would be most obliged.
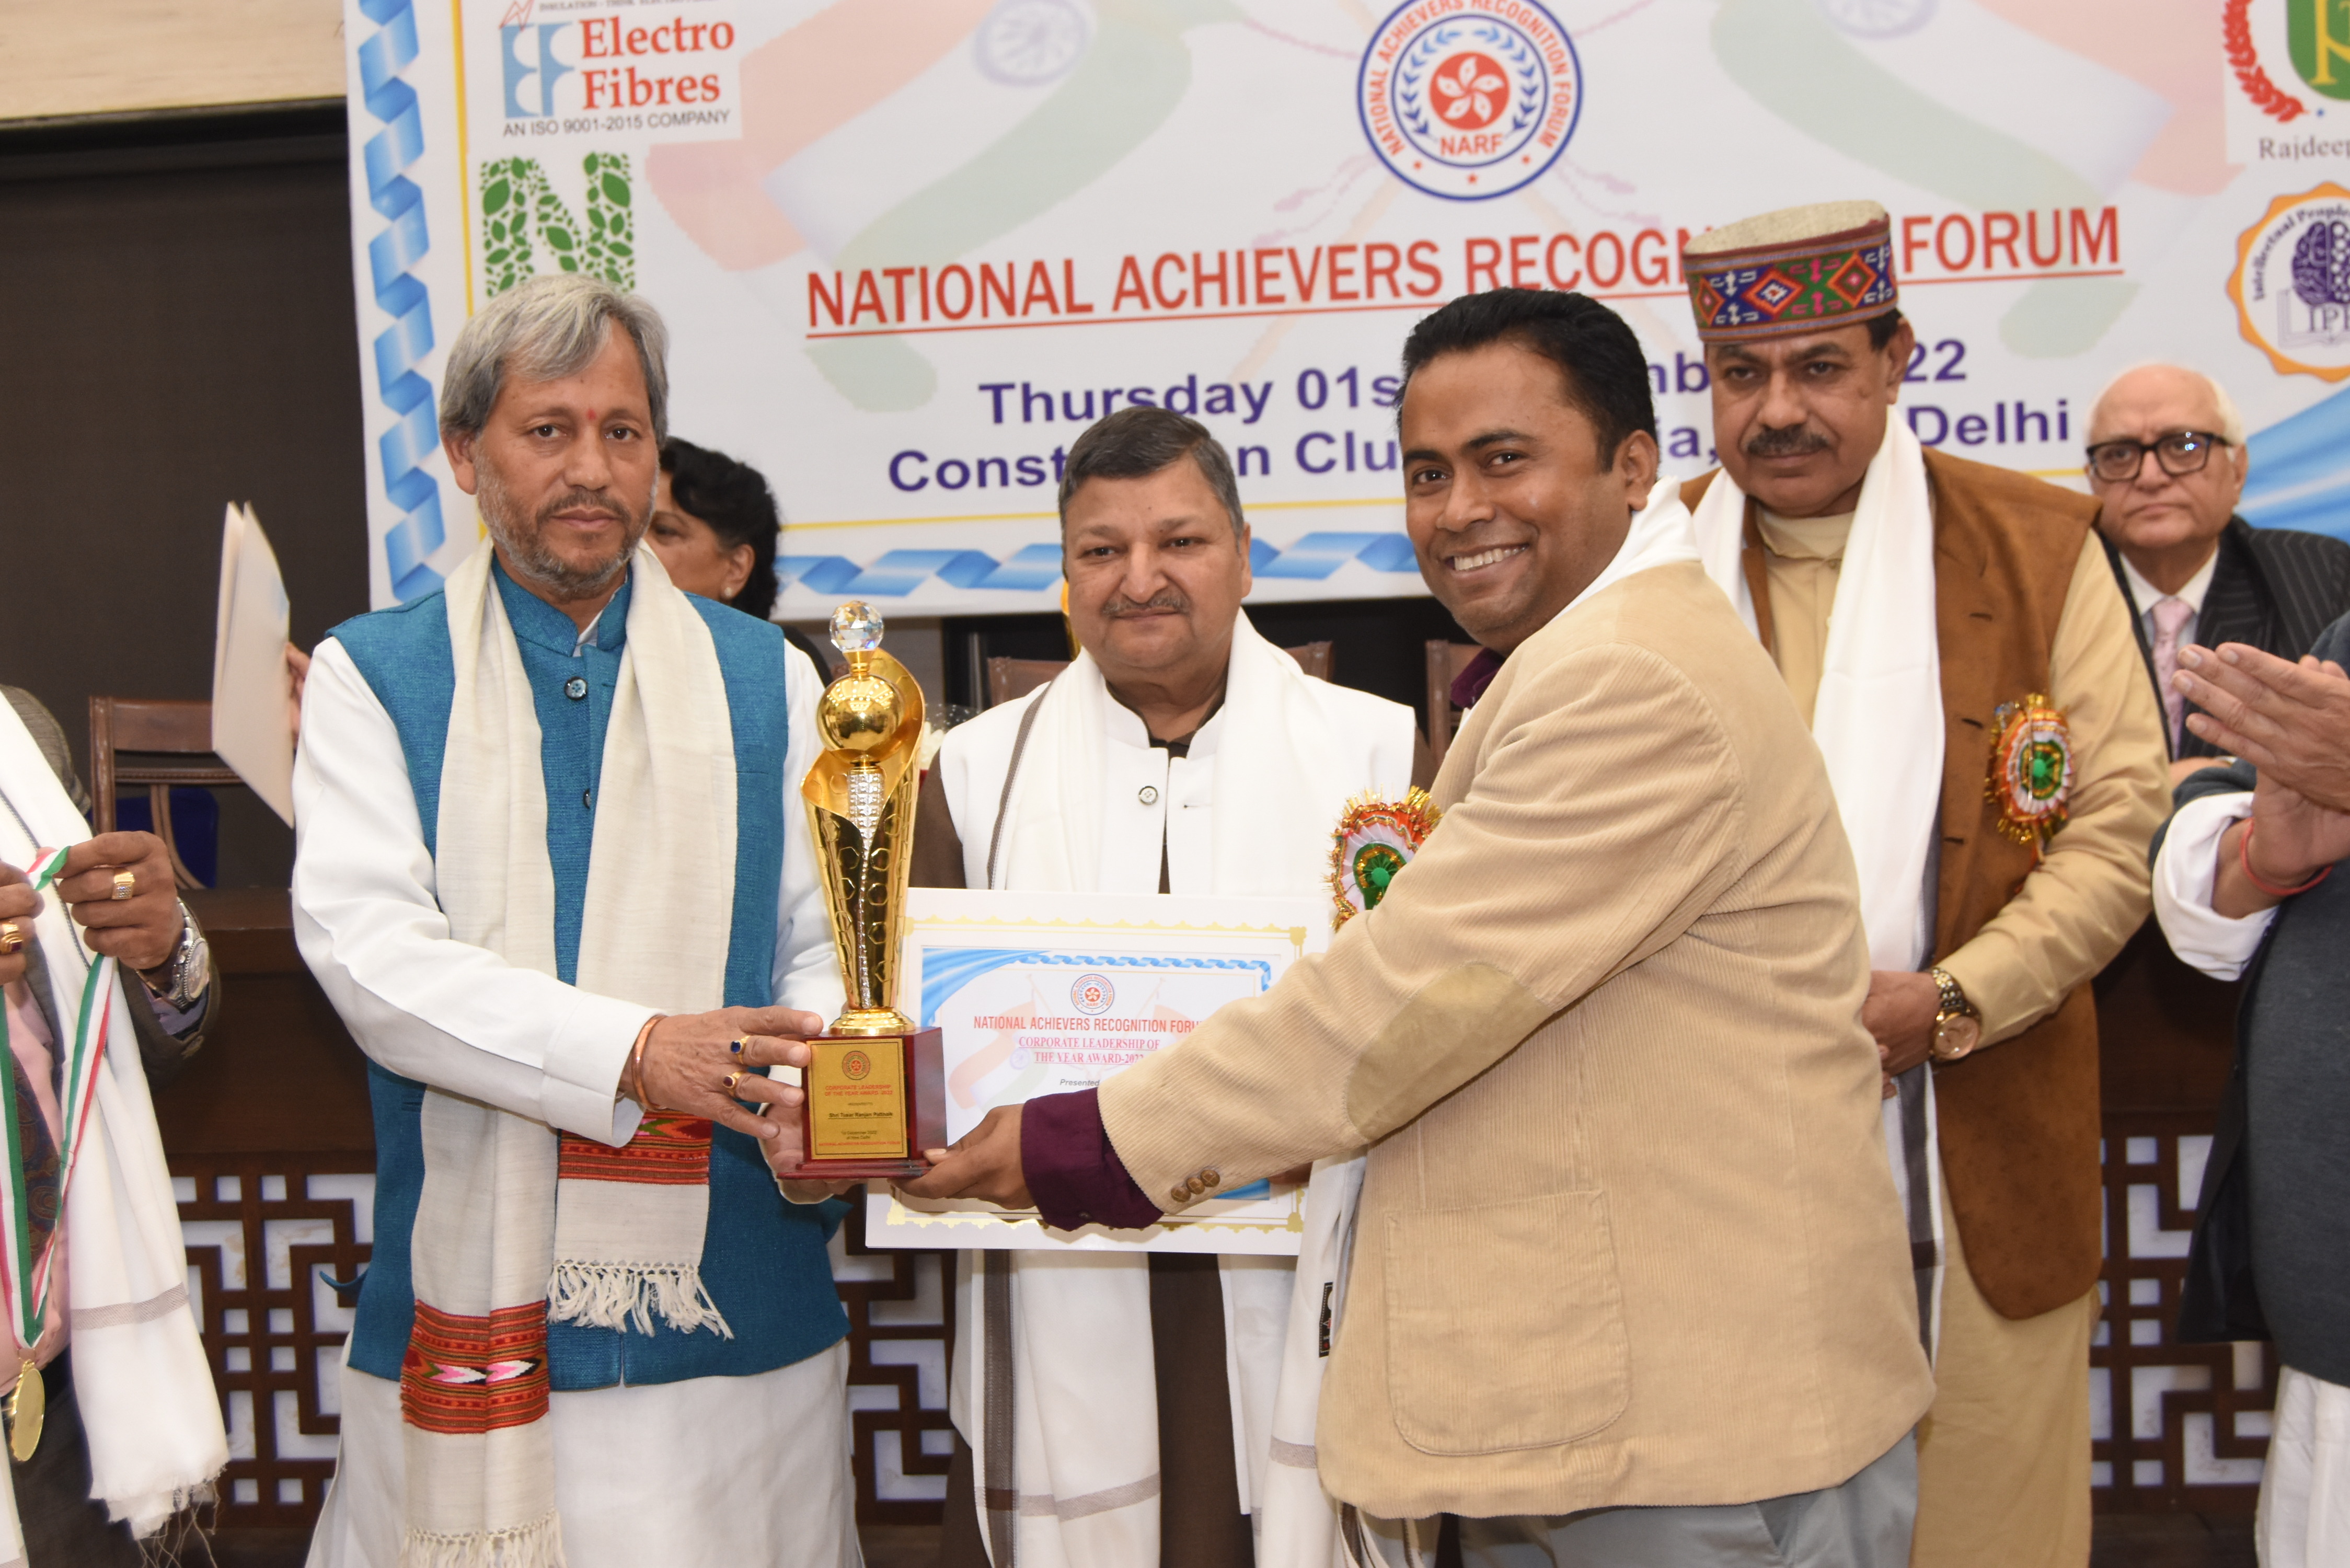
(876, 1090)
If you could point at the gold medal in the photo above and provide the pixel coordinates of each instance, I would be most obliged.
(29, 1405)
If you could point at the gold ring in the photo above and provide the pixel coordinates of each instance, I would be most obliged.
(729, 1081)
(125, 886)
(12, 936)
(736, 1046)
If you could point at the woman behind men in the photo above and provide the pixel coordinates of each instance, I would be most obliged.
(714, 528)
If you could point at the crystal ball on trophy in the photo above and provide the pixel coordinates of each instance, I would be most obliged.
(856, 628)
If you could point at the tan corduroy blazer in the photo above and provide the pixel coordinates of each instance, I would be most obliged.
(1628, 1231)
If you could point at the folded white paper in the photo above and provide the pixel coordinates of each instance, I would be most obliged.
(252, 692)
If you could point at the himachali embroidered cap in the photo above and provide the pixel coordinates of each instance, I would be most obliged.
(1796, 270)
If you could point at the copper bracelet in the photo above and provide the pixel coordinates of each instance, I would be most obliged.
(637, 1065)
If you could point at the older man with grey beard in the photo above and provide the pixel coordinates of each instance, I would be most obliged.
(551, 872)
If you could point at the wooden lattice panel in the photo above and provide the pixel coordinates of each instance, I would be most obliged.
(273, 1334)
(2177, 1426)
(900, 1338)
(264, 1235)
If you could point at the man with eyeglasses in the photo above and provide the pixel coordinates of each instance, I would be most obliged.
(2167, 461)
(2167, 458)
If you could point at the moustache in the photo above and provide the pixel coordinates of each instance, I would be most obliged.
(1795, 440)
(594, 501)
(1167, 600)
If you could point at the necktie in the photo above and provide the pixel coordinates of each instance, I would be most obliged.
(2171, 615)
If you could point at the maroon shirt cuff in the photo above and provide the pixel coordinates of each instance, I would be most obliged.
(1073, 1173)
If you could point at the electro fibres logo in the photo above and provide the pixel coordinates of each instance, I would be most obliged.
(1469, 99)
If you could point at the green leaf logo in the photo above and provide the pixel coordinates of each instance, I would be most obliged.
(519, 206)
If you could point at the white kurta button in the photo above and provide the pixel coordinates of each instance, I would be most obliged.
(1147, 794)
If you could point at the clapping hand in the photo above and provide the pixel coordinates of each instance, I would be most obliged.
(2290, 720)
(2293, 840)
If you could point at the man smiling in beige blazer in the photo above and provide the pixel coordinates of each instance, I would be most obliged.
(1629, 1285)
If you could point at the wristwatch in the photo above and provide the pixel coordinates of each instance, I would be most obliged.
(1958, 1027)
(187, 972)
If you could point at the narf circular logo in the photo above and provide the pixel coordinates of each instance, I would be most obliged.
(856, 1066)
(1092, 995)
(2291, 284)
(1473, 100)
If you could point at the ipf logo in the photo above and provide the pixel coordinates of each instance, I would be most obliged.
(2291, 284)
(531, 68)
(1092, 995)
(1473, 100)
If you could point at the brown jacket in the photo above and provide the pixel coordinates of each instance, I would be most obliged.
(2019, 1119)
(1627, 1235)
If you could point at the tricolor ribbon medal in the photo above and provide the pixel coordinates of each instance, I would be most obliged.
(1375, 839)
(24, 1280)
(2030, 771)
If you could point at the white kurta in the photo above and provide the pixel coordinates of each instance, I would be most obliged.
(368, 922)
(1250, 810)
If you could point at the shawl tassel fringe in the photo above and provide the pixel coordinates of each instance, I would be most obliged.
(616, 1295)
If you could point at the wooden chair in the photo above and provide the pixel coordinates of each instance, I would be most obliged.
(1011, 677)
(1446, 660)
(156, 732)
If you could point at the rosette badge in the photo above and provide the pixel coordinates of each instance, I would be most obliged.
(1374, 840)
(2030, 771)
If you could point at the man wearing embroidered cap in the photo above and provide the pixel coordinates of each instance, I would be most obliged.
(1968, 671)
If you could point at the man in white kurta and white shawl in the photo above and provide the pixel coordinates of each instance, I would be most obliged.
(552, 870)
(1119, 1410)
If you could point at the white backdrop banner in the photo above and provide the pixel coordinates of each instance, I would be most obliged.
(911, 248)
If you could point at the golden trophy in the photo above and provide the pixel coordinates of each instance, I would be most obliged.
(877, 1088)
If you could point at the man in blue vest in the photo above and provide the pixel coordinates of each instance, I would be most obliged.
(552, 871)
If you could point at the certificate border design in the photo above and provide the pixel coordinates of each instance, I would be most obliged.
(1296, 934)
(890, 1223)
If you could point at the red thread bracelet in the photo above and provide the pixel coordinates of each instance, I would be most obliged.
(2244, 860)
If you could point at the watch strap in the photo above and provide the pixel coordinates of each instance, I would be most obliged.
(1952, 999)
(188, 970)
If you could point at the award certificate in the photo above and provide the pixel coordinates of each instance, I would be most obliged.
(1039, 993)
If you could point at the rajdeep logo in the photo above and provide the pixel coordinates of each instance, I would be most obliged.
(1092, 995)
(856, 1066)
(2318, 37)
(2291, 284)
(1469, 99)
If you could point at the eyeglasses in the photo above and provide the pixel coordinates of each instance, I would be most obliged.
(2180, 452)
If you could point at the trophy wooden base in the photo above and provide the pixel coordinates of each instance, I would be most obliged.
(875, 1102)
